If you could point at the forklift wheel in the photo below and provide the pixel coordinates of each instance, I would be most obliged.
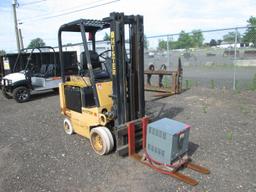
(101, 140)
(68, 127)
(56, 90)
(21, 94)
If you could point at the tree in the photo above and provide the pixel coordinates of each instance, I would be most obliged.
(162, 44)
(213, 42)
(197, 38)
(231, 36)
(2, 52)
(250, 34)
(185, 41)
(106, 37)
(37, 42)
(219, 41)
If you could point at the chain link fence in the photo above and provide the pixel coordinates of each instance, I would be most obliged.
(224, 58)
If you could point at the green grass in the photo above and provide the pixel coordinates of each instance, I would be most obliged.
(254, 83)
(188, 83)
(213, 86)
(244, 109)
(205, 108)
(229, 135)
(165, 81)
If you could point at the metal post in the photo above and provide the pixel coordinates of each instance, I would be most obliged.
(14, 3)
(168, 53)
(21, 39)
(234, 74)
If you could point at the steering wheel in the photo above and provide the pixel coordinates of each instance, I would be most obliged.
(104, 52)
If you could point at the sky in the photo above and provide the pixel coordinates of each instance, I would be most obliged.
(160, 17)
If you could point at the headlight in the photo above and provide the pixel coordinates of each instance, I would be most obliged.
(6, 82)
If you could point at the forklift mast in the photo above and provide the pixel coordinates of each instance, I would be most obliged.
(127, 73)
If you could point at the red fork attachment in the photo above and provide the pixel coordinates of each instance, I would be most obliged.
(158, 167)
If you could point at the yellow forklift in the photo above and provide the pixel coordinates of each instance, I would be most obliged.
(108, 91)
(105, 101)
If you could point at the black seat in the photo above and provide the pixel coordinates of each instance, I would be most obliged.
(45, 71)
(98, 72)
(42, 71)
(50, 71)
(95, 60)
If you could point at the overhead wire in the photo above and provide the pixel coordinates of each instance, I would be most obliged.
(71, 12)
(31, 3)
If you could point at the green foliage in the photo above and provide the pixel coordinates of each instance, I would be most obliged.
(229, 135)
(162, 45)
(37, 42)
(212, 84)
(165, 81)
(185, 41)
(213, 42)
(219, 41)
(205, 108)
(250, 34)
(254, 83)
(197, 38)
(106, 37)
(231, 36)
(188, 84)
(2, 52)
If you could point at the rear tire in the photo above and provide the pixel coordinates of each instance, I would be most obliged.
(68, 128)
(6, 95)
(56, 90)
(101, 140)
(21, 94)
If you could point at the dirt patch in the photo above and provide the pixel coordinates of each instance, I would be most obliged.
(36, 154)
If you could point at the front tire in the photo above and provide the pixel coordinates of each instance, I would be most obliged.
(101, 140)
(6, 95)
(68, 128)
(21, 94)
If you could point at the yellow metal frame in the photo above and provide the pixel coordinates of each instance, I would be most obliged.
(90, 117)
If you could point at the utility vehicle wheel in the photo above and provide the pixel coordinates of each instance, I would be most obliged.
(68, 126)
(101, 140)
(21, 94)
(56, 90)
(6, 95)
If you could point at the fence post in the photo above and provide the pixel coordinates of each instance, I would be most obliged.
(168, 53)
(234, 74)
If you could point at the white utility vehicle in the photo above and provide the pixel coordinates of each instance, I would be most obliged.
(38, 73)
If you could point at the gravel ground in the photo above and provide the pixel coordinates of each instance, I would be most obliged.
(36, 154)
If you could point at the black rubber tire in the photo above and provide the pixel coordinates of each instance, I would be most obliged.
(6, 95)
(56, 90)
(21, 94)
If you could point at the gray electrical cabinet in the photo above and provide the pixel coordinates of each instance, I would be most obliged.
(167, 140)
